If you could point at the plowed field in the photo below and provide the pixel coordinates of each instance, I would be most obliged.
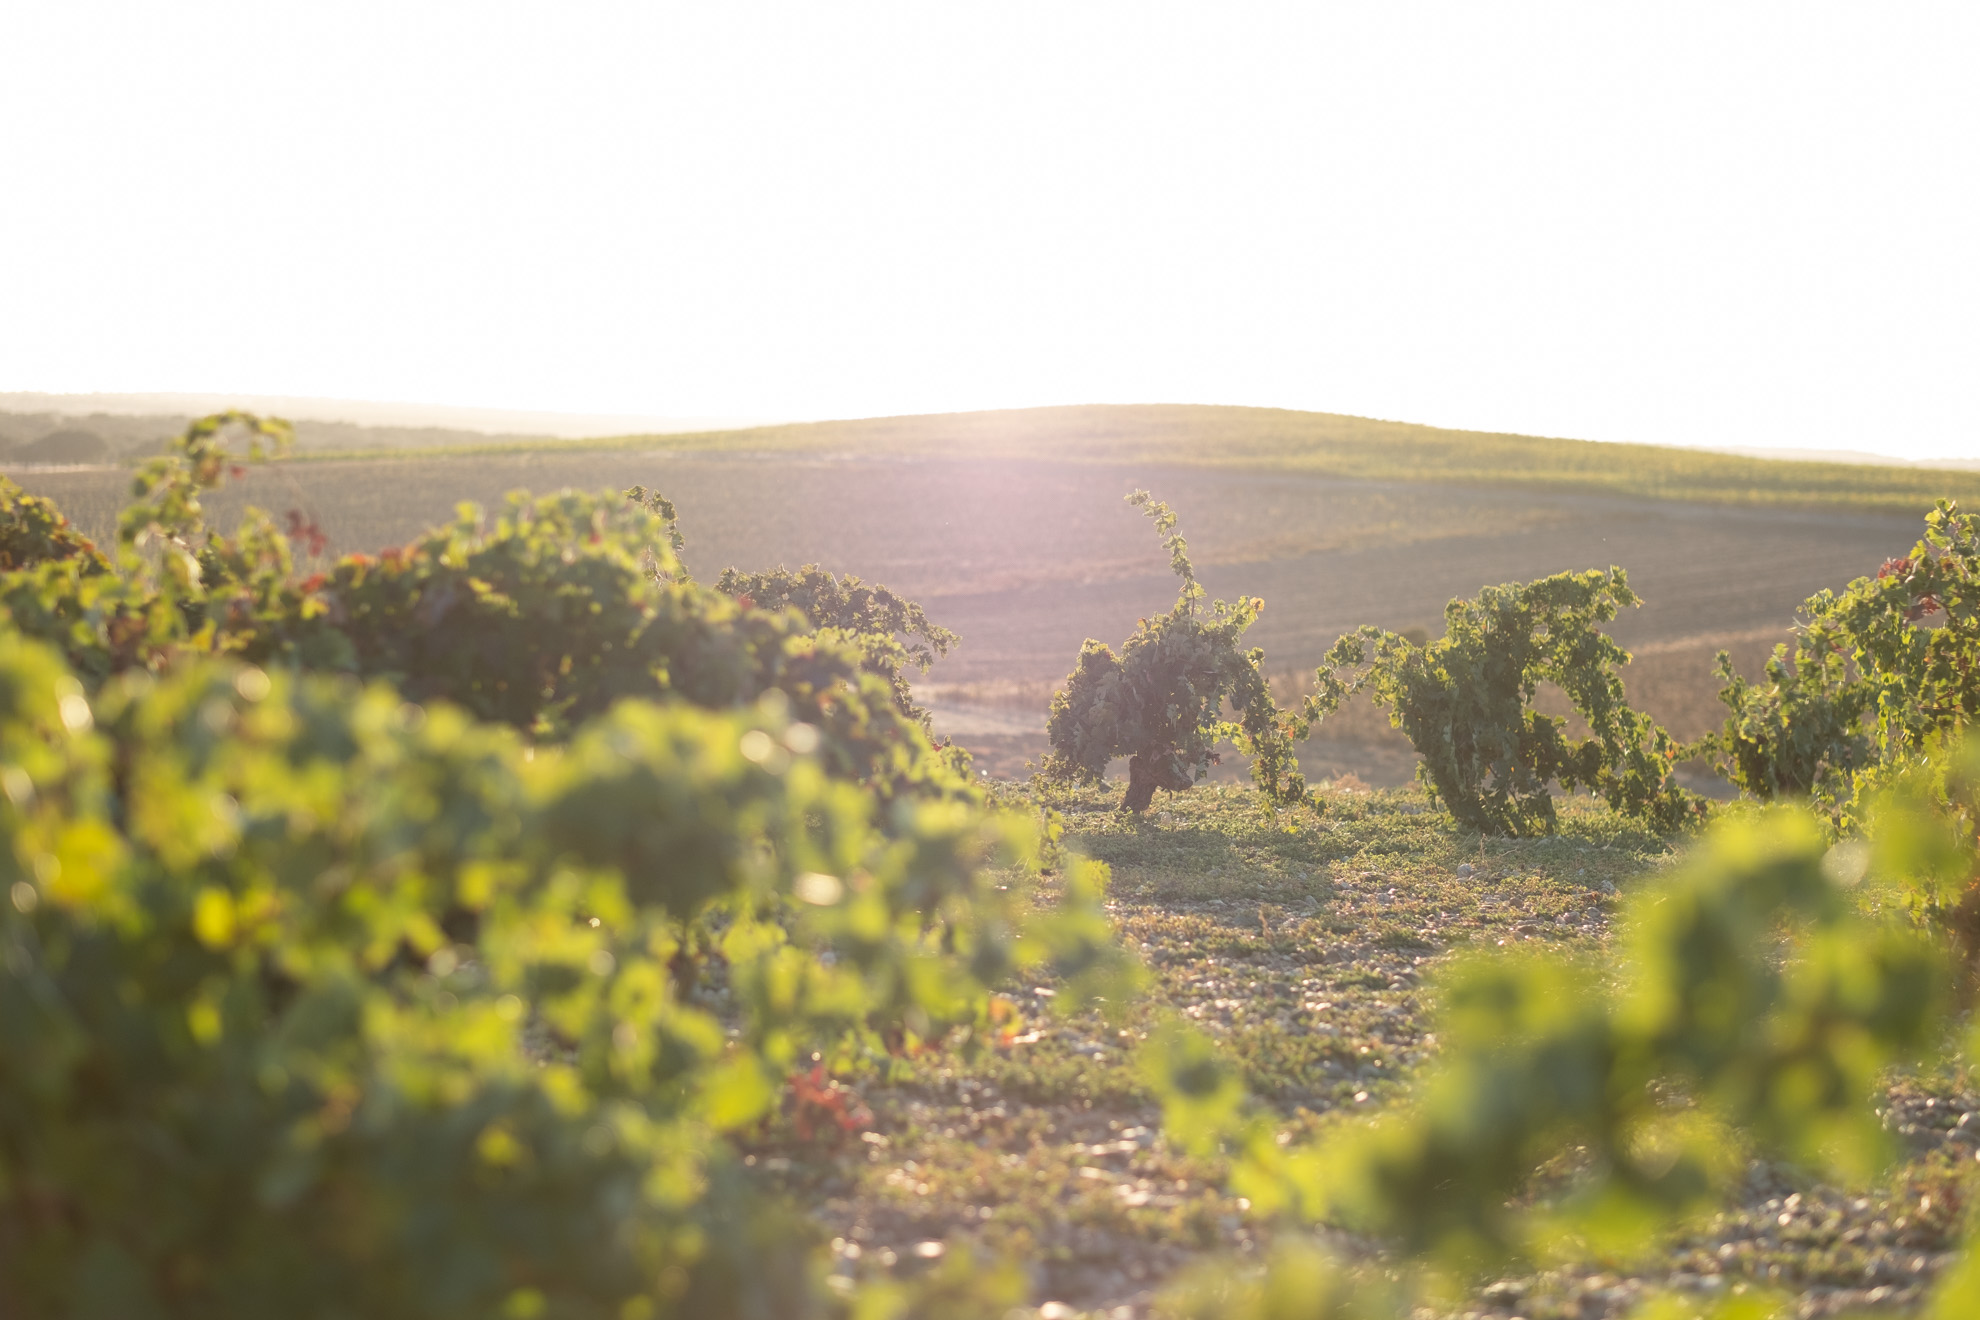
(1026, 558)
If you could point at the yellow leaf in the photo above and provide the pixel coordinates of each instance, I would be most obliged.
(736, 1093)
(213, 918)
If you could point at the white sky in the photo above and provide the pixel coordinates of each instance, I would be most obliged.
(1713, 223)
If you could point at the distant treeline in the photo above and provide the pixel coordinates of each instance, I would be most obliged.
(47, 437)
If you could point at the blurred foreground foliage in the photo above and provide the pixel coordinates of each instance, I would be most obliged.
(319, 1000)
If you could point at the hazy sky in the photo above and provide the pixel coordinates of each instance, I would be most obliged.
(1694, 223)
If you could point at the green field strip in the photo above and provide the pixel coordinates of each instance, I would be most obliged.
(1317, 444)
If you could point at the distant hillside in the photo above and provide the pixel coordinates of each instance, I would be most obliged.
(1250, 439)
(45, 437)
(1329, 444)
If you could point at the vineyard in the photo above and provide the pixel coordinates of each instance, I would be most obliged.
(531, 914)
(1026, 558)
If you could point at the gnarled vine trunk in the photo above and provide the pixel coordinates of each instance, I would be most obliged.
(1148, 772)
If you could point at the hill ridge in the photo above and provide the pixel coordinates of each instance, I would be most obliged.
(1337, 444)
